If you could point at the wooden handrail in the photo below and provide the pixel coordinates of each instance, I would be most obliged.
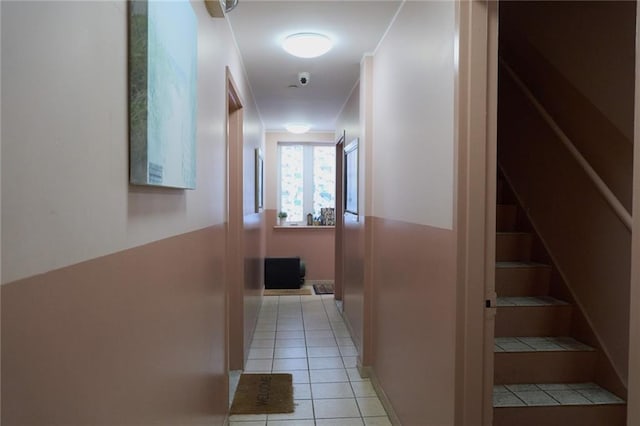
(604, 190)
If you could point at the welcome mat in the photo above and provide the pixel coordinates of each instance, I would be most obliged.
(305, 291)
(263, 394)
(323, 288)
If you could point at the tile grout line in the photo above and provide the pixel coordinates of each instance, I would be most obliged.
(342, 360)
(308, 309)
(306, 351)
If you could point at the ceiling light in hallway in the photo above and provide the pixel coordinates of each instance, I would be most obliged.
(307, 45)
(297, 128)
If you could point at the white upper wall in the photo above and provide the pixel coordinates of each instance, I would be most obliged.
(348, 120)
(65, 191)
(413, 116)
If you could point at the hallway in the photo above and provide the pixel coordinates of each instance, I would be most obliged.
(307, 337)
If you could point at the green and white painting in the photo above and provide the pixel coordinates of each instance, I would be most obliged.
(163, 65)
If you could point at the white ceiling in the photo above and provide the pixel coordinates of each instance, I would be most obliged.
(259, 26)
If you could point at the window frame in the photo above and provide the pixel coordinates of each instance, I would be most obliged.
(307, 177)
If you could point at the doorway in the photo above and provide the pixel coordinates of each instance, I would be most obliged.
(235, 250)
(476, 126)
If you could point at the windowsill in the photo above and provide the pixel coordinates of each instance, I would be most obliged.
(292, 226)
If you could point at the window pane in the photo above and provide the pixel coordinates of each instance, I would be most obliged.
(324, 178)
(291, 181)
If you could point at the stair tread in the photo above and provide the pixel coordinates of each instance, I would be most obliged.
(521, 264)
(540, 344)
(529, 301)
(556, 394)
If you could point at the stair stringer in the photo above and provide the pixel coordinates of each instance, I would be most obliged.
(606, 373)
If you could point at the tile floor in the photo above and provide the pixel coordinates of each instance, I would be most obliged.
(306, 336)
(552, 394)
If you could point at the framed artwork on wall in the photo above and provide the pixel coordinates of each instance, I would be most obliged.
(163, 65)
(259, 170)
(351, 177)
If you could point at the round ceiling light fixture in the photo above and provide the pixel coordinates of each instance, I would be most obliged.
(297, 128)
(307, 45)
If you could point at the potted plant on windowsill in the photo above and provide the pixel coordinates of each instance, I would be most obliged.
(282, 218)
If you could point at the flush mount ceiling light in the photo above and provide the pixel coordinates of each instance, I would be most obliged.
(307, 45)
(297, 128)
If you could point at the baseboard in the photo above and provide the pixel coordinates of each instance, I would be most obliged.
(371, 374)
(368, 372)
(365, 372)
(357, 344)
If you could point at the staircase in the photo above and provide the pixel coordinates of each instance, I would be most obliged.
(542, 376)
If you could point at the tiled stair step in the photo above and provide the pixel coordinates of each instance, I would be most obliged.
(532, 316)
(506, 217)
(540, 344)
(557, 404)
(542, 360)
(513, 246)
(522, 278)
(530, 301)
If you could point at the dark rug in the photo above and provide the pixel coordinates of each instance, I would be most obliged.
(263, 394)
(287, 292)
(326, 288)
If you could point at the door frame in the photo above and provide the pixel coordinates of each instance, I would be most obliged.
(339, 228)
(633, 394)
(234, 303)
(476, 86)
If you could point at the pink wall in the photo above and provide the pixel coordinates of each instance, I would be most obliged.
(113, 296)
(585, 41)
(583, 80)
(354, 281)
(414, 308)
(399, 253)
(414, 314)
(254, 254)
(135, 337)
(353, 241)
(315, 246)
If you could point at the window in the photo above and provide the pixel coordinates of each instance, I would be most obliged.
(307, 179)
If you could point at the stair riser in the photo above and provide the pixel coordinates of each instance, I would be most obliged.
(522, 281)
(513, 247)
(544, 367)
(566, 415)
(506, 218)
(534, 321)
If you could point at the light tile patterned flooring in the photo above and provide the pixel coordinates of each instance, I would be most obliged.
(521, 395)
(306, 336)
